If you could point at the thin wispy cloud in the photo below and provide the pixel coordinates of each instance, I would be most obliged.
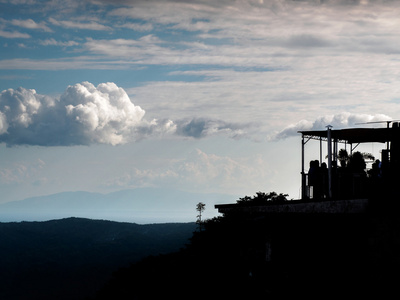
(21, 171)
(30, 24)
(53, 42)
(68, 63)
(14, 35)
(79, 25)
(202, 127)
(198, 168)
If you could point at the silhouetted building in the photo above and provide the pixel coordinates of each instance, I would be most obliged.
(345, 222)
(352, 181)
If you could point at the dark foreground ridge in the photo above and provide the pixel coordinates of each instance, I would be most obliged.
(73, 258)
(274, 256)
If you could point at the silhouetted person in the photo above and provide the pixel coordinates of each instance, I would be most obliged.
(375, 171)
(357, 163)
(314, 178)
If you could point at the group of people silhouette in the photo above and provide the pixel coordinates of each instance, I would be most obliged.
(347, 180)
(318, 179)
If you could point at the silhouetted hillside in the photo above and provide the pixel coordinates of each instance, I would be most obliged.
(71, 258)
(312, 255)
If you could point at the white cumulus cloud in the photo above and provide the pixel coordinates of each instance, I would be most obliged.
(104, 114)
(84, 114)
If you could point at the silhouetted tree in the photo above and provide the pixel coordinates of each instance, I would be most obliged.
(356, 158)
(200, 207)
(262, 198)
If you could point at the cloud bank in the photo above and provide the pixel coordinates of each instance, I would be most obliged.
(198, 169)
(338, 121)
(85, 114)
(202, 127)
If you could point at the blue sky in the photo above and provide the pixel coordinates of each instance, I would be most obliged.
(203, 96)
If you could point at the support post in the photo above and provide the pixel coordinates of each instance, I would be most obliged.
(303, 175)
(335, 151)
(320, 150)
(329, 161)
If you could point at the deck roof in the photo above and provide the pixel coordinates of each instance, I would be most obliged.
(356, 135)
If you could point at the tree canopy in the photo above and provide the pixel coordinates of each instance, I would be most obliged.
(263, 198)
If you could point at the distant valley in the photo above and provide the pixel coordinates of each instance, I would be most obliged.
(141, 205)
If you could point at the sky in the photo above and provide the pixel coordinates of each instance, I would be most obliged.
(201, 95)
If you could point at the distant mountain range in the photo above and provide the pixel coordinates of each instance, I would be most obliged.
(72, 258)
(142, 205)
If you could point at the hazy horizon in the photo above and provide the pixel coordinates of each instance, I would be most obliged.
(141, 206)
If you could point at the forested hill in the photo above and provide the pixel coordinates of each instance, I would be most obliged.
(71, 258)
